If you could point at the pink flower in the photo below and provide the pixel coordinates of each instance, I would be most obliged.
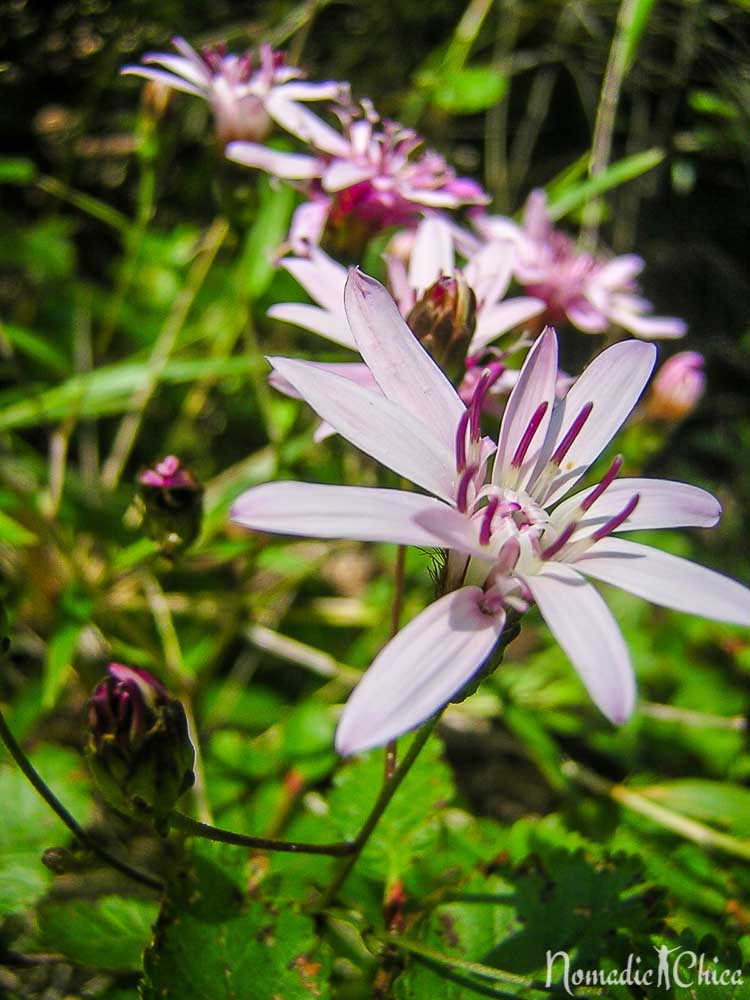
(168, 474)
(359, 181)
(245, 98)
(512, 538)
(429, 256)
(592, 293)
(678, 387)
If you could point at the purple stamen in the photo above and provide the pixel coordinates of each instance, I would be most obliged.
(485, 532)
(562, 539)
(463, 423)
(574, 430)
(528, 435)
(462, 493)
(606, 482)
(489, 376)
(614, 522)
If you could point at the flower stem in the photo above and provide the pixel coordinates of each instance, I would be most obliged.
(387, 791)
(194, 828)
(389, 764)
(35, 779)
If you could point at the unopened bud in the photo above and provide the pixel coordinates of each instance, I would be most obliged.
(677, 388)
(172, 504)
(444, 320)
(139, 748)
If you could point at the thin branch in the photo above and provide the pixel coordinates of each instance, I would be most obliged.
(388, 790)
(195, 829)
(35, 779)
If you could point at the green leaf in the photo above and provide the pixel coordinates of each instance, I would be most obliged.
(108, 933)
(29, 825)
(257, 268)
(470, 90)
(618, 173)
(36, 347)
(59, 662)
(410, 824)
(106, 390)
(715, 802)
(638, 21)
(14, 533)
(214, 942)
(16, 170)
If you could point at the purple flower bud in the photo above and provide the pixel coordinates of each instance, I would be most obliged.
(678, 387)
(444, 320)
(172, 499)
(139, 749)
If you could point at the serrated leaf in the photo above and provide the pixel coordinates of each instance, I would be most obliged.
(409, 825)
(213, 942)
(470, 90)
(108, 933)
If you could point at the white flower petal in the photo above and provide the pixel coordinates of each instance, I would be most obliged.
(498, 319)
(489, 271)
(199, 75)
(317, 320)
(287, 166)
(419, 671)
(650, 327)
(322, 278)
(402, 368)
(353, 371)
(583, 625)
(343, 174)
(661, 504)
(316, 510)
(304, 124)
(378, 426)
(308, 222)
(613, 382)
(161, 76)
(535, 385)
(667, 580)
(302, 90)
(432, 254)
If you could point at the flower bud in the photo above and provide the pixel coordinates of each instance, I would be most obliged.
(172, 501)
(444, 320)
(139, 749)
(678, 387)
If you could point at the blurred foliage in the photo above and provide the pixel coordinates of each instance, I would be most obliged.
(136, 269)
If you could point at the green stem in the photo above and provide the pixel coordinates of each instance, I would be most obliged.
(194, 828)
(387, 791)
(35, 779)
(604, 126)
(474, 969)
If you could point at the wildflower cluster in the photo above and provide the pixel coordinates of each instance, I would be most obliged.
(434, 354)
